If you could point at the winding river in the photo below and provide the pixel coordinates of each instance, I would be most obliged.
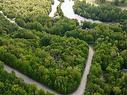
(67, 9)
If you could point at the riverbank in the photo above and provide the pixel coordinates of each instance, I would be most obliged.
(68, 11)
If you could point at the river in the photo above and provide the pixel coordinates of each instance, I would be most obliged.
(54, 8)
(68, 11)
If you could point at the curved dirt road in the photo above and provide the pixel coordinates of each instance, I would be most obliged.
(79, 91)
(82, 86)
(27, 79)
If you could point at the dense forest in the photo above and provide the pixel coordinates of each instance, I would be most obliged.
(53, 51)
(107, 75)
(11, 85)
(109, 40)
(55, 61)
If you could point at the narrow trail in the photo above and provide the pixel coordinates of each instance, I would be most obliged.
(10, 20)
(82, 86)
(28, 80)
